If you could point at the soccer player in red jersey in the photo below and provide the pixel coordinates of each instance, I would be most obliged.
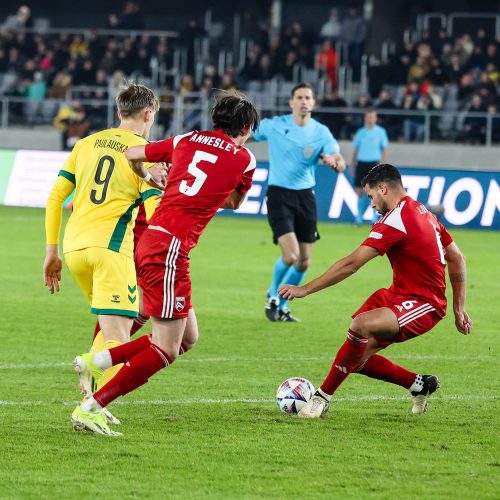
(418, 247)
(210, 170)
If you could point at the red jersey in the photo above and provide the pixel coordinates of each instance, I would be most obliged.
(206, 167)
(414, 241)
(140, 224)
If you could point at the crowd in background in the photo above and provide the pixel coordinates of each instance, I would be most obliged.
(438, 72)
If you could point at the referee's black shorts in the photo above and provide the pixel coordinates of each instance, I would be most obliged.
(362, 168)
(292, 211)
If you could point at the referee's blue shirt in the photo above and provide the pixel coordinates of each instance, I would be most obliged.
(370, 142)
(294, 150)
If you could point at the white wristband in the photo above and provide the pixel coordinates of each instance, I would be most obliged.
(147, 177)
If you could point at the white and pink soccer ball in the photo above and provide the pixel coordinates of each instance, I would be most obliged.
(293, 394)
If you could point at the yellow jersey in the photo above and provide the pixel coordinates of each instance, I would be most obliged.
(107, 194)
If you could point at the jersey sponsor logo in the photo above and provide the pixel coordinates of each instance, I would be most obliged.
(374, 234)
(180, 303)
(308, 152)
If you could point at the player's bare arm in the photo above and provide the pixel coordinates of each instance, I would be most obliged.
(339, 271)
(155, 175)
(457, 272)
(52, 268)
(234, 200)
(335, 161)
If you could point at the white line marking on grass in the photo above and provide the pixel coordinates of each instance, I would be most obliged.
(236, 359)
(161, 402)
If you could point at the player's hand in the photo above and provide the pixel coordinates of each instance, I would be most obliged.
(291, 292)
(463, 322)
(159, 174)
(52, 272)
(333, 162)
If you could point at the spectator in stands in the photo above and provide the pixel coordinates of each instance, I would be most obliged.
(354, 34)
(331, 29)
(72, 121)
(391, 123)
(474, 127)
(413, 126)
(130, 19)
(492, 56)
(193, 31)
(326, 60)
(495, 123)
(19, 21)
(250, 71)
(36, 92)
(455, 69)
(437, 73)
(335, 120)
(266, 68)
(60, 85)
(418, 70)
(286, 70)
(467, 87)
(355, 121)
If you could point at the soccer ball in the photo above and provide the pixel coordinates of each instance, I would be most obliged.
(293, 394)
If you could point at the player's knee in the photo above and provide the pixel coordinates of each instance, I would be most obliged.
(361, 326)
(289, 258)
(303, 264)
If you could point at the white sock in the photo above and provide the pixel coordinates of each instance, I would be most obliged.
(90, 406)
(103, 360)
(418, 385)
(324, 395)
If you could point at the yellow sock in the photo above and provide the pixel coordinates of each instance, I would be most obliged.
(98, 344)
(110, 372)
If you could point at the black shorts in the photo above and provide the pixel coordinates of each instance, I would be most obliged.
(362, 168)
(292, 211)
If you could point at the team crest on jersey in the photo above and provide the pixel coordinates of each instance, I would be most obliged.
(180, 302)
(308, 152)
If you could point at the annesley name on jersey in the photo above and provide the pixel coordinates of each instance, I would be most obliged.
(215, 142)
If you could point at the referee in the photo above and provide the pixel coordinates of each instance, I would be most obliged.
(296, 144)
(370, 149)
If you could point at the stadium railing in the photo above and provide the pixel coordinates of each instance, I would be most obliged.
(181, 112)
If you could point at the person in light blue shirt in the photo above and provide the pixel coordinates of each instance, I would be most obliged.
(297, 144)
(370, 149)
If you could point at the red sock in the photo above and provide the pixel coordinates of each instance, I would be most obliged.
(346, 360)
(138, 323)
(381, 368)
(136, 372)
(124, 352)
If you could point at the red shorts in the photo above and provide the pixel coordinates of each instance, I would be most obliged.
(163, 275)
(415, 315)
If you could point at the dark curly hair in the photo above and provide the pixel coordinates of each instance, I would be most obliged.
(383, 172)
(233, 112)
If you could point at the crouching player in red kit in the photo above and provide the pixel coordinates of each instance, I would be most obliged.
(210, 170)
(418, 247)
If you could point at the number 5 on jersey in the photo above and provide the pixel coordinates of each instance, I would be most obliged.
(199, 176)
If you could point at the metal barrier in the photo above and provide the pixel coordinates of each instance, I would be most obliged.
(181, 112)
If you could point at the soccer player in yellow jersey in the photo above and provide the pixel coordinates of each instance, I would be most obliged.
(98, 239)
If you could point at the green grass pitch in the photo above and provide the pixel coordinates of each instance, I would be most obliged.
(208, 426)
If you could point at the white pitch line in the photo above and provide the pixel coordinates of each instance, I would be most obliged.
(236, 359)
(161, 402)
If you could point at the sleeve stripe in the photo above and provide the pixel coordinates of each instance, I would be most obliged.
(68, 175)
(178, 138)
(150, 192)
